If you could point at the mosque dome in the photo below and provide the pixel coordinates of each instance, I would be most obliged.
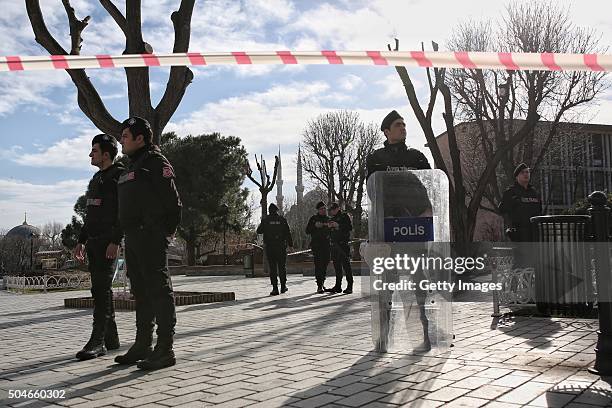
(24, 231)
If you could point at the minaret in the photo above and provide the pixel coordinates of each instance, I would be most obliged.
(279, 183)
(299, 187)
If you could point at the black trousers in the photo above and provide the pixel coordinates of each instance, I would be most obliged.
(321, 260)
(145, 255)
(277, 260)
(101, 270)
(523, 252)
(341, 258)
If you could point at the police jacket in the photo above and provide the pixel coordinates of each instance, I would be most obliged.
(521, 204)
(275, 231)
(101, 220)
(342, 233)
(319, 237)
(147, 193)
(396, 156)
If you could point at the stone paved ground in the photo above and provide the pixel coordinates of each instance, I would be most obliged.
(298, 350)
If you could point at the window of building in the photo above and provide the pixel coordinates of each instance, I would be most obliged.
(597, 152)
(557, 188)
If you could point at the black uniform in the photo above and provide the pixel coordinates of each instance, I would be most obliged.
(319, 243)
(101, 228)
(340, 250)
(396, 156)
(277, 237)
(520, 204)
(149, 213)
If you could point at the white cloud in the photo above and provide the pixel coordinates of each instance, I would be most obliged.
(42, 202)
(29, 88)
(70, 153)
(350, 82)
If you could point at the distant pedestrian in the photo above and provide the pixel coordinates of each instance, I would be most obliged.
(340, 227)
(318, 229)
(277, 237)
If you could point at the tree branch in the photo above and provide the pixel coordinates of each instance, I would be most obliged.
(114, 12)
(180, 76)
(76, 28)
(88, 98)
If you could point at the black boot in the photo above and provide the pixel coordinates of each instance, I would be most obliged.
(162, 356)
(336, 289)
(320, 289)
(274, 291)
(95, 346)
(140, 350)
(284, 287)
(111, 337)
(349, 288)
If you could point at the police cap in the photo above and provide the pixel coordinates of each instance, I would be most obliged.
(272, 208)
(107, 141)
(519, 168)
(138, 126)
(320, 204)
(389, 119)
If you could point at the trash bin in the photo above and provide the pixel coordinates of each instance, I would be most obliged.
(248, 261)
(563, 265)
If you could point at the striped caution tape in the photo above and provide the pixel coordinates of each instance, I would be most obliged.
(466, 60)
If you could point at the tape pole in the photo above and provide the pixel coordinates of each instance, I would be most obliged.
(462, 60)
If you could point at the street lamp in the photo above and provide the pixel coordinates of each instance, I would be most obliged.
(224, 212)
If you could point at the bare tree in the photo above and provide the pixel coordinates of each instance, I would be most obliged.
(492, 101)
(139, 92)
(265, 185)
(336, 145)
(52, 231)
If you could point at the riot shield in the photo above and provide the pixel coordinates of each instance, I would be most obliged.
(409, 233)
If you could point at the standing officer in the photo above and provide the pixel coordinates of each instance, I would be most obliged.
(277, 237)
(318, 230)
(406, 197)
(340, 227)
(101, 237)
(149, 213)
(519, 203)
(395, 155)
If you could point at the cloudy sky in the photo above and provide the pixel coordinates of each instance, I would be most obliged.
(44, 138)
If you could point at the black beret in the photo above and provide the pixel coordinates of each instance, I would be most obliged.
(333, 206)
(519, 168)
(272, 208)
(389, 119)
(320, 204)
(138, 126)
(104, 139)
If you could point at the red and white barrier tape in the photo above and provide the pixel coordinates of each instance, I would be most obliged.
(468, 60)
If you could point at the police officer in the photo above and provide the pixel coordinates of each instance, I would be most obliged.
(519, 203)
(340, 227)
(395, 155)
(318, 229)
(149, 213)
(404, 196)
(277, 237)
(100, 237)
